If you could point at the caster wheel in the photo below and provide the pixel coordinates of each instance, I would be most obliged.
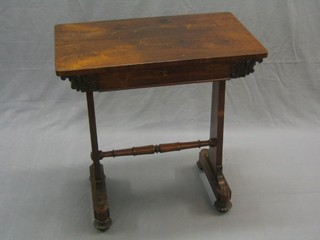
(102, 226)
(223, 207)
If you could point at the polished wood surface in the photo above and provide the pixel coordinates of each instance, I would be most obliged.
(161, 148)
(96, 47)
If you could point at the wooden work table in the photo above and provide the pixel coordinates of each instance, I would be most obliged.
(150, 52)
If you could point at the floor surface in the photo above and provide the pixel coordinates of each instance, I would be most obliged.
(273, 174)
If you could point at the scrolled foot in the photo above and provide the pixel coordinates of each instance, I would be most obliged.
(223, 207)
(102, 226)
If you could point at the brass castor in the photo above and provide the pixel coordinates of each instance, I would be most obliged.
(102, 226)
(223, 207)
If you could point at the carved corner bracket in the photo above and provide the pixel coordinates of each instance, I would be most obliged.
(82, 83)
(243, 68)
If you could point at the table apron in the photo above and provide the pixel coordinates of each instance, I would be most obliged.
(160, 76)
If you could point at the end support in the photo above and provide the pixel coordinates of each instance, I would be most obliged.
(102, 220)
(217, 182)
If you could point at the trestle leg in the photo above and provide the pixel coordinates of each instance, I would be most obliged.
(210, 160)
(98, 186)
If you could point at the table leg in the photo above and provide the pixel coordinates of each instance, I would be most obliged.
(210, 161)
(98, 187)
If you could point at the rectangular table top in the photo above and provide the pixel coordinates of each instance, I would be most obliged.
(135, 44)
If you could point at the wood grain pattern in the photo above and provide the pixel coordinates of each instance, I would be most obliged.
(158, 42)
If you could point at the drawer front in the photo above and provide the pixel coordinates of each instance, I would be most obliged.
(161, 76)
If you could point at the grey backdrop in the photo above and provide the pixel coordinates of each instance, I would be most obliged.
(271, 156)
